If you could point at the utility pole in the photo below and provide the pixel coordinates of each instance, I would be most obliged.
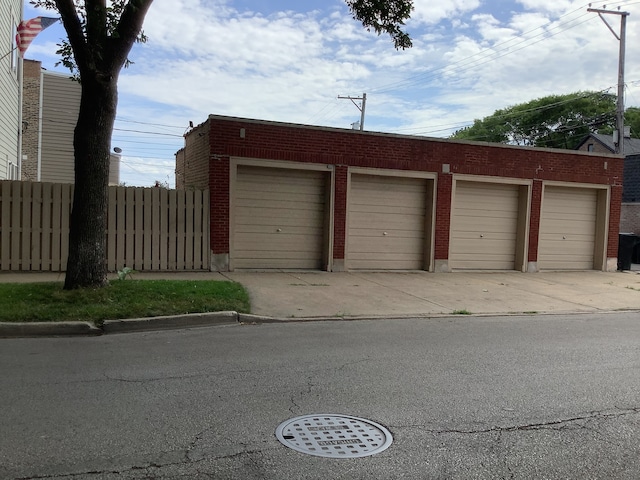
(619, 141)
(360, 107)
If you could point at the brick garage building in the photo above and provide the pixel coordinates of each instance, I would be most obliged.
(287, 196)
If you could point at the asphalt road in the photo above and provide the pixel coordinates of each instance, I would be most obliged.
(465, 397)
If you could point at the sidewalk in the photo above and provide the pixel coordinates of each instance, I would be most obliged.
(323, 294)
(295, 295)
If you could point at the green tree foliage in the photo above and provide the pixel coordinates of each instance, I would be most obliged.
(384, 16)
(555, 121)
(100, 35)
(632, 118)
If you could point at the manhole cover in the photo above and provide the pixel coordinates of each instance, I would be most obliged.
(335, 436)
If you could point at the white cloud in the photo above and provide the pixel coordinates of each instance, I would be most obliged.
(432, 12)
(469, 59)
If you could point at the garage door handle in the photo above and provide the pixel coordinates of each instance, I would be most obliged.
(279, 230)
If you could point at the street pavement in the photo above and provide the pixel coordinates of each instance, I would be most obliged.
(292, 295)
(464, 397)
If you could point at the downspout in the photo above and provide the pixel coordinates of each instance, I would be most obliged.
(40, 115)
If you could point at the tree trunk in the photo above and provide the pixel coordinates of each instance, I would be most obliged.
(86, 265)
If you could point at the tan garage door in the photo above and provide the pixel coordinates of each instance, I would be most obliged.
(386, 223)
(279, 218)
(567, 228)
(484, 226)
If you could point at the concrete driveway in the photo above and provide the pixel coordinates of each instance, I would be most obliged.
(324, 294)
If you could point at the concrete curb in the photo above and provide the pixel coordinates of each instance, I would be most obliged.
(174, 322)
(47, 329)
(169, 322)
(58, 329)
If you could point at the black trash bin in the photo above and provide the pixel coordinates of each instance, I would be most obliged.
(626, 243)
(635, 258)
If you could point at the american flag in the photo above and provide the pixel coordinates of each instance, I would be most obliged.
(29, 29)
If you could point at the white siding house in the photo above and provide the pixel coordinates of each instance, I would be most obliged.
(10, 17)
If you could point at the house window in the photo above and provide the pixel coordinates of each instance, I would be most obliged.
(590, 147)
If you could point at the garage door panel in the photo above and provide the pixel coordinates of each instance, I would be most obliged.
(267, 199)
(288, 229)
(260, 244)
(566, 207)
(384, 261)
(498, 229)
(488, 244)
(386, 223)
(278, 210)
(399, 243)
(571, 226)
(567, 228)
(396, 222)
(479, 217)
(387, 210)
(497, 263)
(270, 175)
(259, 216)
(287, 262)
(363, 233)
(570, 246)
(271, 192)
(485, 206)
(484, 226)
(279, 217)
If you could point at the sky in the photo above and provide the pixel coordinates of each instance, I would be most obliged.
(291, 60)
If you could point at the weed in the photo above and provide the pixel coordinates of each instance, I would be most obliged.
(122, 274)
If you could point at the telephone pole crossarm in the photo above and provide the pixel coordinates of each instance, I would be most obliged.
(360, 107)
(619, 141)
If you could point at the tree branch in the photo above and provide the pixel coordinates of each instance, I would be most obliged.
(126, 32)
(75, 33)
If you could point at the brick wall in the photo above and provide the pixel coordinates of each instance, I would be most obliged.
(631, 190)
(179, 172)
(340, 212)
(30, 118)
(630, 218)
(443, 216)
(534, 221)
(615, 212)
(233, 137)
(192, 161)
(219, 204)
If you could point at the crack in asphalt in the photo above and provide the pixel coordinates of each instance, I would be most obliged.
(93, 472)
(348, 364)
(300, 394)
(563, 424)
(149, 466)
(171, 377)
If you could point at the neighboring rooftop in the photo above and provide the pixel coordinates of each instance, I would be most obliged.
(631, 145)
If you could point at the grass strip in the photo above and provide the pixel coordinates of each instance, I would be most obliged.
(48, 302)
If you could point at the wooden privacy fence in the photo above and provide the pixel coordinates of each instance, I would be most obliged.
(148, 228)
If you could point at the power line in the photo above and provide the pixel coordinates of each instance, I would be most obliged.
(462, 124)
(469, 61)
(523, 41)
